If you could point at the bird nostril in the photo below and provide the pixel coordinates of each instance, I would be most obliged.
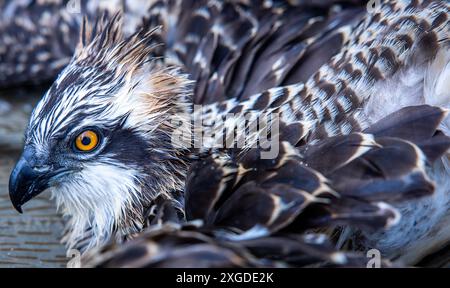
(42, 169)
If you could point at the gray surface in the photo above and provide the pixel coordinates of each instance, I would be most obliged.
(31, 239)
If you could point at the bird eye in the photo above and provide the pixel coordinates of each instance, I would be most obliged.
(86, 141)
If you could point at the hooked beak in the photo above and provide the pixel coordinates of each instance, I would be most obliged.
(26, 182)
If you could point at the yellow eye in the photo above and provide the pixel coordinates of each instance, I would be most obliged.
(86, 141)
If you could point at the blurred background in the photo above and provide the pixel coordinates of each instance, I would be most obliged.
(31, 239)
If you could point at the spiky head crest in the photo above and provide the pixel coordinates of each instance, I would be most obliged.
(114, 84)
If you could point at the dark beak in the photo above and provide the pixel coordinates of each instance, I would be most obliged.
(26, 182)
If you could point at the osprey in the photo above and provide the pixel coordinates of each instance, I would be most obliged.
(359, 98)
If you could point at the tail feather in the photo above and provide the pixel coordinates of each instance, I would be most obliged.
(412, 123)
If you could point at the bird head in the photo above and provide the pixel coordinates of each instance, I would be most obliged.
(100, 138)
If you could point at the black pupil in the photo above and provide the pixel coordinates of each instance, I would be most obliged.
(86, 141)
